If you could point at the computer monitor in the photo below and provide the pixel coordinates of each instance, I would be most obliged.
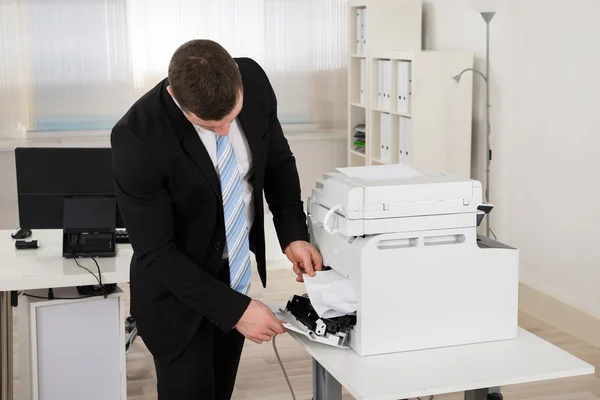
(70, 189)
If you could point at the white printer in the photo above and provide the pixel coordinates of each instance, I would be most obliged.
(423, 278)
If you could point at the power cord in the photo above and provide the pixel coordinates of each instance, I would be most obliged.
(102, 287)
(283, 369)
(52, 297)
(98, 278)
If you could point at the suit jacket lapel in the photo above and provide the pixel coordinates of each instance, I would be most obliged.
(193, 146)
(190, 141)
(252, 128)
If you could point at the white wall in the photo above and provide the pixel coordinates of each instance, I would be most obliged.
(545, 119)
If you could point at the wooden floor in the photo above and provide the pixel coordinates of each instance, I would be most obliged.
(260, 376)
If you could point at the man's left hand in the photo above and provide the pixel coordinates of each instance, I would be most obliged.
(304, 257)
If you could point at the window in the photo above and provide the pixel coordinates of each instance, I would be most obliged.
(78, 65)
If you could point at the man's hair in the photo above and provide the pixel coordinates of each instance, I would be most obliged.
(205, 79)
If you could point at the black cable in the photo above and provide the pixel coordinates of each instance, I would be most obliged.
(104, 291)
(98, 279)
(58, 298)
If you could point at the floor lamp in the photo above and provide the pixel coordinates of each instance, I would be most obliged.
(487, 17)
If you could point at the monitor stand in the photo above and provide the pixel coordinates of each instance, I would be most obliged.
(89, 227)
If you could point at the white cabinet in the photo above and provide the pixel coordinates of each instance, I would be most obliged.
(72, 349)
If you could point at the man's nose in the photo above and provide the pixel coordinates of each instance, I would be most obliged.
(223, 130)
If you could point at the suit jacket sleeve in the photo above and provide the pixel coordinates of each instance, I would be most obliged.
(146, 209)
(282, 184)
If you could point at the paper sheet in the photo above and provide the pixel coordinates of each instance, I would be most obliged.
(331, 294)
(380, 172)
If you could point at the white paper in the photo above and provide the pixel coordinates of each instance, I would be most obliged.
(381, 172)
(331, 294)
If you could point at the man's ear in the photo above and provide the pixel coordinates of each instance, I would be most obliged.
(170, 90)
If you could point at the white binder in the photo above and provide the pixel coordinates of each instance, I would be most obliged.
(401, 129)
(387, 84)
(363, 16)
(359, 31)
(363, 81)
(404, 86)
(379, 84)
(385, 137)
(408, 156)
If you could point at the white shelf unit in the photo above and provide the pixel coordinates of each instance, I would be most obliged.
(433, 128)
(375, 24)
(428, 113)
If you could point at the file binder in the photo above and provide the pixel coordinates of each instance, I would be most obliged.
(387, 84)
(400, 134)
(385, 137)
(404, 86)
(363, 81)
(408, 155)
(405, 140)
(380, 84)
(360, 30)
(363, 16)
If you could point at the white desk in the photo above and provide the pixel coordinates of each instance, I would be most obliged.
(44, 268)
(476, 369)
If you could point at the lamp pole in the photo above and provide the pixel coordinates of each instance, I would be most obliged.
(487, 17)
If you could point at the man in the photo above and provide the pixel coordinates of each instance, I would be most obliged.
(191, 160)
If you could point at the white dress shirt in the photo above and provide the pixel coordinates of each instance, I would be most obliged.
(243, 157)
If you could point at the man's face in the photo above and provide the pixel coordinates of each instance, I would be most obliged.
(221, 127)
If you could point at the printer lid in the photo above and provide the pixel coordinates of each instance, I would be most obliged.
(395, 190)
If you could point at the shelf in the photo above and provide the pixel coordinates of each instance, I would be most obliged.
(393, 55)
(354, 55)
(356, 153)
(391, 112)
(354, 104)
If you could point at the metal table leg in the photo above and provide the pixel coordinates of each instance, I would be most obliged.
(6, 346)
(484, 394)
(325, 386)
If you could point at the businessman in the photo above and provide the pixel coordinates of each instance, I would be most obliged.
(192, 159)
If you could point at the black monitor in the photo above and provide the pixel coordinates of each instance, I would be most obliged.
(70, 189)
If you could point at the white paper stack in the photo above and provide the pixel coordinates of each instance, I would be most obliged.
(331, 294)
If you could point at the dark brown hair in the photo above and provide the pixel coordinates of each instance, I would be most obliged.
(205, 79)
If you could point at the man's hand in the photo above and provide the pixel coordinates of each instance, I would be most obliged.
(304, 257)
(258, 323)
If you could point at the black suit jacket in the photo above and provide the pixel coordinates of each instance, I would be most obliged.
(169, 196)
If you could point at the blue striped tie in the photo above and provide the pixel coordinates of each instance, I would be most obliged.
(236, 227)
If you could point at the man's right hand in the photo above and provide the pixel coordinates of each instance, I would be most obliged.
(259, 324)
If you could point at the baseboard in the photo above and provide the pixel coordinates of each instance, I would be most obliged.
(555, 312)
